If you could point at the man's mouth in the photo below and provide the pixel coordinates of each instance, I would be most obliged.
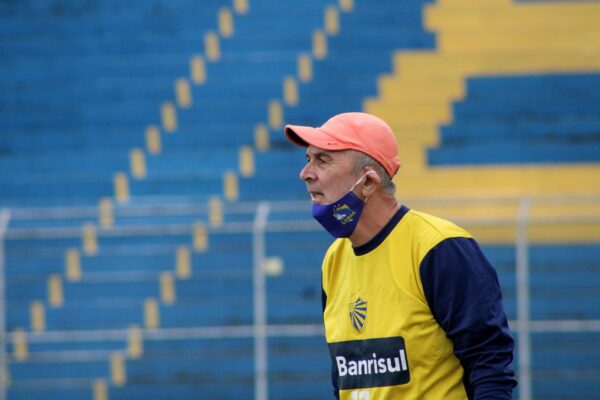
(314, 195)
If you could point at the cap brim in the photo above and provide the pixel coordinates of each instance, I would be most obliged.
(291, 131)
(306, 135)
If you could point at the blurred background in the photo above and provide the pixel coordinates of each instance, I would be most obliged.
(156, 242)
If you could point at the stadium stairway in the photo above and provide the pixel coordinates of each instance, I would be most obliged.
(521, 39)
(423, 84)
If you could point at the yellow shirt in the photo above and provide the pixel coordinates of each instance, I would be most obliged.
(384, 340)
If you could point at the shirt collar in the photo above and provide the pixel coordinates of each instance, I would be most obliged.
(382, 235)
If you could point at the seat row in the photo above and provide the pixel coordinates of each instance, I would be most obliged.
(493, 125)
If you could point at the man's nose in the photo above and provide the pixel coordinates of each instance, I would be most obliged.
(306, 173)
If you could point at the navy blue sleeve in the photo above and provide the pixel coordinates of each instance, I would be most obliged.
(463, 292)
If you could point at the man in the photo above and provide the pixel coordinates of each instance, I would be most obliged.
(412, 308)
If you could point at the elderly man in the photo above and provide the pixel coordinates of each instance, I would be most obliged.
(411, 306)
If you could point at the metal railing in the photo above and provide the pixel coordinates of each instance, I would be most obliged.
(265, 222)
(523, 316)
(4, 221)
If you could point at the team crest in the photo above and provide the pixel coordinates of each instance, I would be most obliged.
(358, 314)
(344, 214)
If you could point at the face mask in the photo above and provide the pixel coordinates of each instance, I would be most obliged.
(340, 217)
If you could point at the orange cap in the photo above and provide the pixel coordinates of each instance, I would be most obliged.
(351, 131)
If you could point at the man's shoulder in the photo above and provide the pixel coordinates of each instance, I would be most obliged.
(427, 228)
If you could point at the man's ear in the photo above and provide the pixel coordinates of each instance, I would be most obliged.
(372, 180)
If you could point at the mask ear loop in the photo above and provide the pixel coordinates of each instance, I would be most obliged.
(360, 179)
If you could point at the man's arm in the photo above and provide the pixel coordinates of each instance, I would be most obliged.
(463, 292)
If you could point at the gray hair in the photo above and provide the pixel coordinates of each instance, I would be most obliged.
(363, 160)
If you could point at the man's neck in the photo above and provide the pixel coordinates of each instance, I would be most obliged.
(377, 213)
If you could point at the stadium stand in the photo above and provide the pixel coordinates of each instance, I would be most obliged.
(138, 139)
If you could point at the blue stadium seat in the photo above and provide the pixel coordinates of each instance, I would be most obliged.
(542, 119)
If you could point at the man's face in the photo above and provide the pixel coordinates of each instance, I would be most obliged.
(327, 174)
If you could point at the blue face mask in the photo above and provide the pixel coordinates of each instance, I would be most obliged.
(340, 217)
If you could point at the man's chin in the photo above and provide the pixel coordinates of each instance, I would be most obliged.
(316, 199)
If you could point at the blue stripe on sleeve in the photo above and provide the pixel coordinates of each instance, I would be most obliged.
(463, 292)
